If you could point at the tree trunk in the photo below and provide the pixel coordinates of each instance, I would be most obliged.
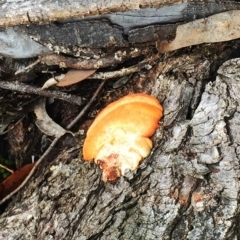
(186, 189)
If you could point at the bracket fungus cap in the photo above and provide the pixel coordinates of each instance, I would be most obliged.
(118, 139)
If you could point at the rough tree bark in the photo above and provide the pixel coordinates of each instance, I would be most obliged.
(187, 189)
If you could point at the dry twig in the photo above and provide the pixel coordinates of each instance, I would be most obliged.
(77, 118)
(29, 67)
(21, 87)
(6, 168)
(125, 71)
(80, 63)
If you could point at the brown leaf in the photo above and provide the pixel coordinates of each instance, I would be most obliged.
(75, 76)
(14, 180)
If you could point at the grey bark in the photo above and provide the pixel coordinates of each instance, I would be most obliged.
(17, 12)
(71, 27)
(187, 189)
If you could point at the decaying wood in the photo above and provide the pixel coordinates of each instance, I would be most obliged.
(18, 12)
(190, 178)
(73, 27)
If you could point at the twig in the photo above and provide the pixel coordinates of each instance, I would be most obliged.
(54, 142)
(6, 168)
(116, 74)
(80, 63)
(13, 126)
(124, 71)
(28, 67)
(86, 107)
(22, 87)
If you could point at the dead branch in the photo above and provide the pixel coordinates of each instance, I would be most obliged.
(119, 73)
(6, 168)
(80, 63)
(78, 117)
(29, 67)
(21, 87)
(126, 71)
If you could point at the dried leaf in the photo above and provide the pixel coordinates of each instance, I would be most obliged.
(53, 81)
(75, 76)
(217, 28)
(14, 180)
(45, 123)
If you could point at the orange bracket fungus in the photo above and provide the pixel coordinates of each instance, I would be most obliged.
(118, 139)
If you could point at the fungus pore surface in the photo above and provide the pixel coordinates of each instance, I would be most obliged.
(118, 139)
